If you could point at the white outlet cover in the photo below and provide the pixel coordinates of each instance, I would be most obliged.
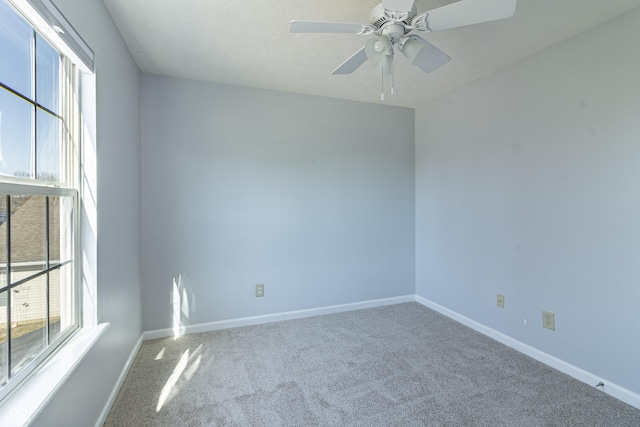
(548, 320)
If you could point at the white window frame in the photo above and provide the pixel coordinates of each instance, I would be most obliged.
(41, 190)
(27, 393)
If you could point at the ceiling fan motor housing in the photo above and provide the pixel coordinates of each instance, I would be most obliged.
(390, 27)
(379, 18)
(394, 31)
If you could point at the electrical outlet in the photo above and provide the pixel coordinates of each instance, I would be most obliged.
(548, 320)
(500, 301)
(260, 290)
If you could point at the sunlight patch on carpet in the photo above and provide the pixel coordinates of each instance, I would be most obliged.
(160, 354)
(173, 379)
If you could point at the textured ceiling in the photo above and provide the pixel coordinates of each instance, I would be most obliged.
(248, 43)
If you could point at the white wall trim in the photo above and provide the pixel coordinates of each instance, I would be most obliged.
(114, 393)
(588, 378)
(276, 317)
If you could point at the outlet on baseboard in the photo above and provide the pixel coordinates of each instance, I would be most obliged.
(260, 290)
(500, 301)
(548, 320)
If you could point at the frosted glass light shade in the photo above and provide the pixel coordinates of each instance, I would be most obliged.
(377, 48)
(423, 54)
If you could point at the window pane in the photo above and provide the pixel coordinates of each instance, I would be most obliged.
(28, 242)
(61, 301)
(28, 314)
(54, 229)
(48, 140)
(4, 363)
(16, 117)
(60, 229)
(47, 75)
(15, 50)
(3, 242)
(61, 304)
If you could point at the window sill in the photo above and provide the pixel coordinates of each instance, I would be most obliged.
(25, 403)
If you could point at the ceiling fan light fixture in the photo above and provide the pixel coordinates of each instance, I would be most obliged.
(422, 54)
(411, 47)
(377, 48)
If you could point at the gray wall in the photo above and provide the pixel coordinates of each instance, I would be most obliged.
(527, 184)
(311, 196)
(117, 142)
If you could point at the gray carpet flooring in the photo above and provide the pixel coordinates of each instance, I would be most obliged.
(399, 365)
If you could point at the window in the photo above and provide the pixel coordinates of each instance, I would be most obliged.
(39, 183)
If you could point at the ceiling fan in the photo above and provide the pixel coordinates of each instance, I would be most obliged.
(396, 25)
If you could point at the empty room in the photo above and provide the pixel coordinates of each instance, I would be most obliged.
(306, 213)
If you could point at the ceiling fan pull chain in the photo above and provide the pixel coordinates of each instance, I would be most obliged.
(393, 75)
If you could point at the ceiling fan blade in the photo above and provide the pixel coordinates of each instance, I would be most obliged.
(352, 64)
(324, 27)
(398, 5)
(430, 58)
(467, 12)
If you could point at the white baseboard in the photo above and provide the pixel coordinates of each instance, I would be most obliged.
(114, 393)
(276, 317)
(610, 388)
